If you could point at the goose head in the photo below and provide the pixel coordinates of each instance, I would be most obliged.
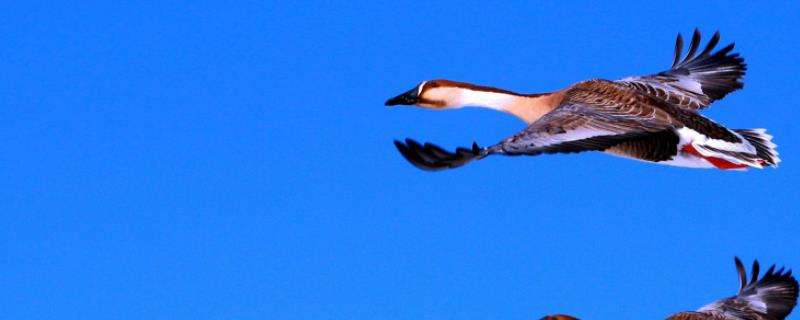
(432, 94)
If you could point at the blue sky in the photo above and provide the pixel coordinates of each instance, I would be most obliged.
(214, 161)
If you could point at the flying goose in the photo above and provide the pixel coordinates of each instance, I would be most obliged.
(652, 118)
(772, 297)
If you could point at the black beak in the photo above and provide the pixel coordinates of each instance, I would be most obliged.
(408, 98)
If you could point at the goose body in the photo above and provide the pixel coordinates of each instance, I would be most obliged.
(650, 118)
(768, 297)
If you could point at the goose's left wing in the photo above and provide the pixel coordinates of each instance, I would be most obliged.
(694, 82)
(584, 126)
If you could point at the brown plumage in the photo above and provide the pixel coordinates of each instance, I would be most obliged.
(652, 118)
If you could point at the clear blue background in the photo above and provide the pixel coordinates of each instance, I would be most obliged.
(234, 161)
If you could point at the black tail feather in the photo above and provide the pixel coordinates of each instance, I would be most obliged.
(762, 141)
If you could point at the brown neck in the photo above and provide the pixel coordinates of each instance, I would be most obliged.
(530, 108)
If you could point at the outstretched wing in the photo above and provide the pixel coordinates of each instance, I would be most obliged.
(694, 82)
(579, 126)
(772, 297)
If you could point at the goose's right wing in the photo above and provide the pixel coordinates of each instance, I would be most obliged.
(694, 82)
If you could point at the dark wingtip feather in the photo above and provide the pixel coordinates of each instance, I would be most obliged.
(724, 51)
(678, 50)
(754, 272)
(742, 273)
(411, 156)
(716, 73)
(711, 44)
(770, 271)
(430, 157)
(719, 73)
(692, 46)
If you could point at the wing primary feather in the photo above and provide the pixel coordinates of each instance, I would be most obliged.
(692, 46)
(754, 273)
(770, 271)
(416, 158)
(724, 51)
(711, 44)
(678, 50)
(437, 151)
(412, 157)
(742, 274)
(400, 146)
(411, 151)
(431, 159)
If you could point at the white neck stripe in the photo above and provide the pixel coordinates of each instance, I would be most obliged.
(493, 100)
